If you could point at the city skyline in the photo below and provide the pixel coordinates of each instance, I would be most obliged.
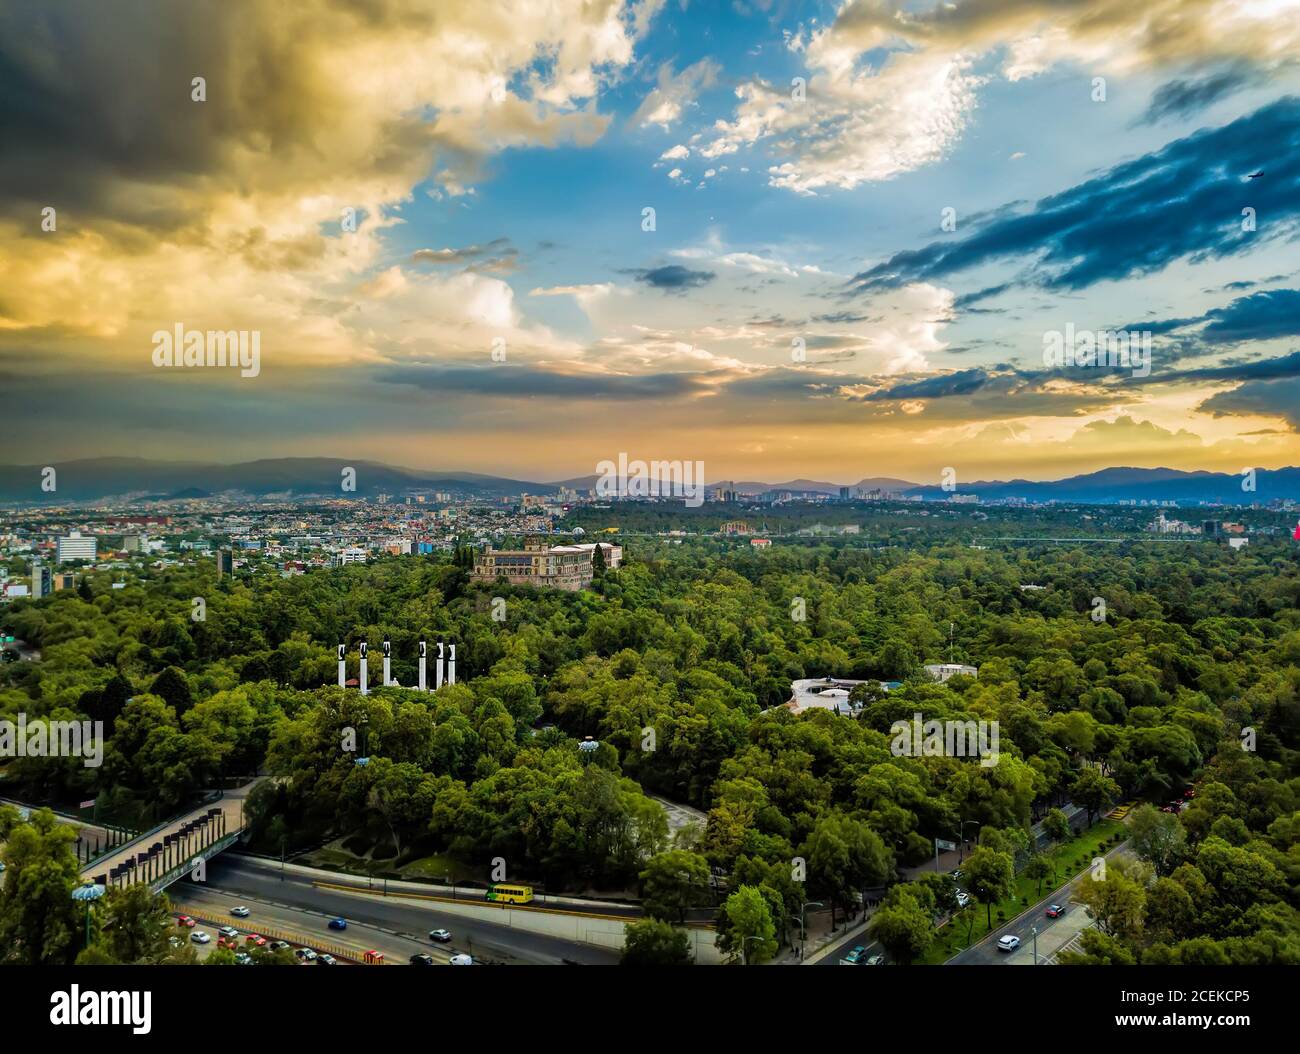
(805, 307)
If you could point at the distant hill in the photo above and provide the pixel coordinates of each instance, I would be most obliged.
(1110, 485)
(93, 478)
(144, 480)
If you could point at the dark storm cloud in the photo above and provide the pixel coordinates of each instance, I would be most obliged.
(1182, 98)
(962, 382)
(1184, 201)
(674, 278)
(509, 381)
(1266, 315)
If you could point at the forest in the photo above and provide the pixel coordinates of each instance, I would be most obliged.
(677, 665)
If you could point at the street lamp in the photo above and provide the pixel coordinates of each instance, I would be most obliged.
(803, 928)
(88, 892)
(961, 839)
(1033, 930)
(744, 958)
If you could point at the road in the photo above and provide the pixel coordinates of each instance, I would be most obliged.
(947, 862)
(400, 918)
(1052, 933)
(212, 908)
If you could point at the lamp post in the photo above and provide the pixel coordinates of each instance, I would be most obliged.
(1033, 930)
(961, 839)
(803, 927)
(88, 892)
(744, 955)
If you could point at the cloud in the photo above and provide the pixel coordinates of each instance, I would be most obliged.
(1267, 315)
(1182, 98)
(232, 208)
(675, 91)
(674, 278)
(853, 127)
(892, 87)
(1182, 202)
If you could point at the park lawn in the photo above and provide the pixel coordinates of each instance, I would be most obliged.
(1069, 859)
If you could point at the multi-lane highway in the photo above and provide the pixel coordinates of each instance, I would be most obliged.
(300, 902)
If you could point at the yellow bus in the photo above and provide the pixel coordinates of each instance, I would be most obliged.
(506, 894)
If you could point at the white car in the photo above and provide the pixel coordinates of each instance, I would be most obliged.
(963, 899)
(199, 937)
(461, 960)
(306, 955)
(229, 932)
(240, 912)
(1009, 943)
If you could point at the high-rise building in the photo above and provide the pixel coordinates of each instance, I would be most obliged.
(77, 546)
(42, 581)
(225, 562)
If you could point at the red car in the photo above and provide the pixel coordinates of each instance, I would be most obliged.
(1190, 792)
(184, 920)
(1055, 911)
(253, 938)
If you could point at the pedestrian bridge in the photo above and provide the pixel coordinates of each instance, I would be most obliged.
(174, 849)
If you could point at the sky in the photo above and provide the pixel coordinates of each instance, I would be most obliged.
(789, 240)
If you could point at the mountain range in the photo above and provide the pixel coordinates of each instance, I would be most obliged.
(292, 478)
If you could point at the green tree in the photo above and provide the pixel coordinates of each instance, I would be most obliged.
(745, 927)
(990, 877)
(902, 925)
(652, 942)
(672, 883)
(1094, 792)
(39, 921)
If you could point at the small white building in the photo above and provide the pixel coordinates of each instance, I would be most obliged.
(942, 671)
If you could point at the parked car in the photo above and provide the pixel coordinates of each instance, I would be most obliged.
(422, 959)
(1008, 943)
(243, 959)
(461, 960)
(1190, 792)
(305, 955)
(441, 936)
(224, 942)
(228, 932)
(338, 924)
(1055, 911)
(254, 938)
(278, 946)
(240, 912)
(199, 937)
(185, 920)
(957, 874)
(326, 960)
(876, 960)
(963, 899)
(854, 957)
(174, 941)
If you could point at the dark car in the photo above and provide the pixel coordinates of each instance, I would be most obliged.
(338, 924)
(422, 960)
